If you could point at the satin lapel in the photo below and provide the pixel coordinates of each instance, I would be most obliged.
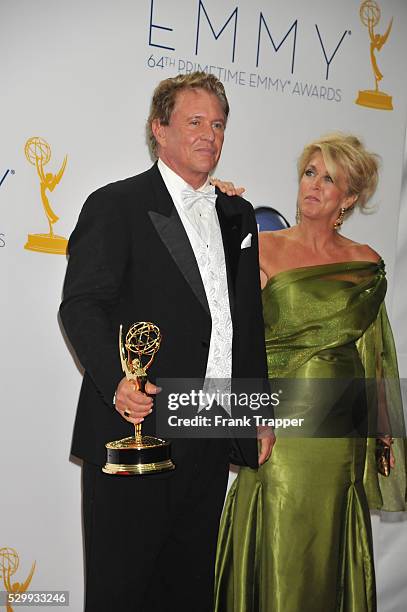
(230, 224)
(171, 231)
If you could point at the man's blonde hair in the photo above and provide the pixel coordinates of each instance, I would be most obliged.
(165, 94)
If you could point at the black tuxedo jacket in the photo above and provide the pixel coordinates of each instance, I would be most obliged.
(130, 260)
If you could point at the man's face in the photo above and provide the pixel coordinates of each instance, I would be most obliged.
(192, 142)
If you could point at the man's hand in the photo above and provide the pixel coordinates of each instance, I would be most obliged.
(134, 405)
(266, 437)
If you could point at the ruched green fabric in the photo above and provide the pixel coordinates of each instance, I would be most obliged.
(295, 534)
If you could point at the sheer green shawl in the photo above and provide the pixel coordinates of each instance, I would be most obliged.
(304, 316)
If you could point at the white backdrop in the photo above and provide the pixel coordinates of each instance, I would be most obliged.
(80, 75)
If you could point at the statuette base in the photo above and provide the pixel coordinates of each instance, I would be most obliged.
(375, 99)
(45, 243)
(137, 455)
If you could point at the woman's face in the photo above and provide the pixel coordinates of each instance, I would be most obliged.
(319, 196)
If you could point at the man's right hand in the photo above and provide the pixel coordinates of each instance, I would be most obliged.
(134, 405)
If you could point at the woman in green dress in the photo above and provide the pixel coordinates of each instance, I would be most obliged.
(295, 534)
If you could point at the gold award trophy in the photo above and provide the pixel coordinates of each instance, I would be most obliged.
(38, 153)
(370, 17)
(138, 454)
(9, 562)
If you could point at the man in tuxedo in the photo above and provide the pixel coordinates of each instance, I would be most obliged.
(162, 246)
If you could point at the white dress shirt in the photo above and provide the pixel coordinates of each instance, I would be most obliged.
(202, 227)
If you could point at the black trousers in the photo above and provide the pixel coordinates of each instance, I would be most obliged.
(150, 541)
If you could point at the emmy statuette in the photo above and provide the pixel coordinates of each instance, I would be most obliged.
(370, 17)
(38, 153)
(138, 454)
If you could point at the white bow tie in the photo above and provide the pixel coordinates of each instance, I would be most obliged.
(191, 197)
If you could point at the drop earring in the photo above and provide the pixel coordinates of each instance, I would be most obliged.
(339, 220)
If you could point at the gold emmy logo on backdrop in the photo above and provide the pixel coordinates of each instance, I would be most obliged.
(38, 153)
(9, 562)
(370, 17)
(138, 454)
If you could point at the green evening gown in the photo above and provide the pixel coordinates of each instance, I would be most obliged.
(295, 534)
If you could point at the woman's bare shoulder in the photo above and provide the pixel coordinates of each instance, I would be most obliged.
(274, 248)
(361, 252)
(274, 236)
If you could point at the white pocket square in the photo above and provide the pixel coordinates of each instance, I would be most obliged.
(246, 242)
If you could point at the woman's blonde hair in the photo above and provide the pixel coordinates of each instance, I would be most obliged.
(347, 152)
(165, 94)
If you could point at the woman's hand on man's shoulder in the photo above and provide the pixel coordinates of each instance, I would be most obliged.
(227, 187)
